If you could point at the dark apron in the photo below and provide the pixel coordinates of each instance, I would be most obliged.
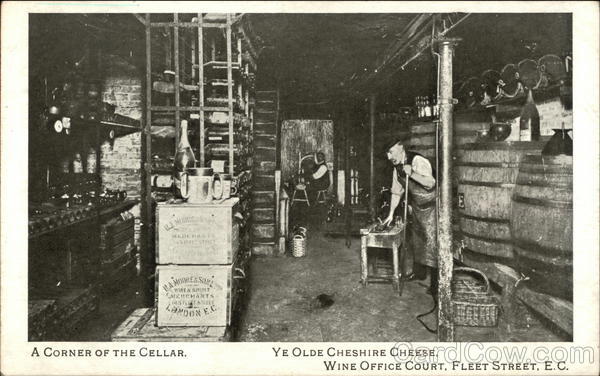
(422, 229)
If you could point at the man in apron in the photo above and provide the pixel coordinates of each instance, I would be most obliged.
(421, 228)
(318, 179)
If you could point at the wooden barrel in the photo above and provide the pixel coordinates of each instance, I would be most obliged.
(487, 173)
(542, 223)
(422, 139)
(466, 128)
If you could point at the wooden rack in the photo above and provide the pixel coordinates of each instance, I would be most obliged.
(190, 47)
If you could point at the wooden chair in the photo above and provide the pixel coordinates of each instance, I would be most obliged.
(300, 187)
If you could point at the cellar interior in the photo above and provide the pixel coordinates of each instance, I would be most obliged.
(229, 177)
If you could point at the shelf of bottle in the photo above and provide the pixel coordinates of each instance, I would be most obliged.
(239, 78)
(214, 25)
(517, 102)
(62, 218)
(194, 108)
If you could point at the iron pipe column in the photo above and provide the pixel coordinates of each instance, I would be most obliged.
(372, 156)
(445, 319)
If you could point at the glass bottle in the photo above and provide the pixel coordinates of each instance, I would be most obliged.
(427, 108)
(529, 123)
(184, 157)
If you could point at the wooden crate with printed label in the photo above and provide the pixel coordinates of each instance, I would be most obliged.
(198, 295)
(197, 234)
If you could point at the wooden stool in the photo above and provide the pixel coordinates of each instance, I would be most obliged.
(300, 188)
(390, 239)
(321, 196)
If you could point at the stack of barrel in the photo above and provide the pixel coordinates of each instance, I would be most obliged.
(515, 208)
(466, 130)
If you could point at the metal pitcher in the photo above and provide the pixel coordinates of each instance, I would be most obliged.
(199, 185)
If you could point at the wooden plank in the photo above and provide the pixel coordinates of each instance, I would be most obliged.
(177, 92)
(187, 24)
(230, 92)
(140, 18)
(559, 311)
(147, 202)
(372, 195)
(263, 231)
(139, 327)
(201, 87)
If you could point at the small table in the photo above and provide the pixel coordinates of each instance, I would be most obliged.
(390, 239)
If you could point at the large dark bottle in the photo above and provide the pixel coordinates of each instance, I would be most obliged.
(529, 123)
(184, 157)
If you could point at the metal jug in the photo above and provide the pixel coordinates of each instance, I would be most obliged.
(198, 186)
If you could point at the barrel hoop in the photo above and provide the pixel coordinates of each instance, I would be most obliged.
(486, 239)
(488, 164)
(455, 133)
(536, 159)
(487, 220)
(422, 134)
(546, 170)
(523, 258)
(543, 202)
(504, 145)
(536, 248)
(429, 147)
(421, 147)
(522, 180)
(424, 123)
(486, 184)
(470, 255)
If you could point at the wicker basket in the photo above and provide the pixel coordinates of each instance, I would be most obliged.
(472, 301)
(298, 245)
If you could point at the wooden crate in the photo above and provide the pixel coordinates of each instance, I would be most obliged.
(72, 308)
(196, 295)
(115, 232)
(197, 234)
(140, 327)
(41, 312)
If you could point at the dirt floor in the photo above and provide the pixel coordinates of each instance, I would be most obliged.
(284, 305)
(283, 302)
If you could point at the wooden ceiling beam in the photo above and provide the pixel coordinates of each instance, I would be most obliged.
(140, 18)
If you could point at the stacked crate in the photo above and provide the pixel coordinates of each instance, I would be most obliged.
(200, 269)
(117, 251)
(265, 160)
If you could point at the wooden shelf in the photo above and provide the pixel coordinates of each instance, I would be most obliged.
(516, 103)
(119, 207)
(119, 129)
(219, 65)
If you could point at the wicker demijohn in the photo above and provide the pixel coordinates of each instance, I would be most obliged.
(472, 301)
(298, 246)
